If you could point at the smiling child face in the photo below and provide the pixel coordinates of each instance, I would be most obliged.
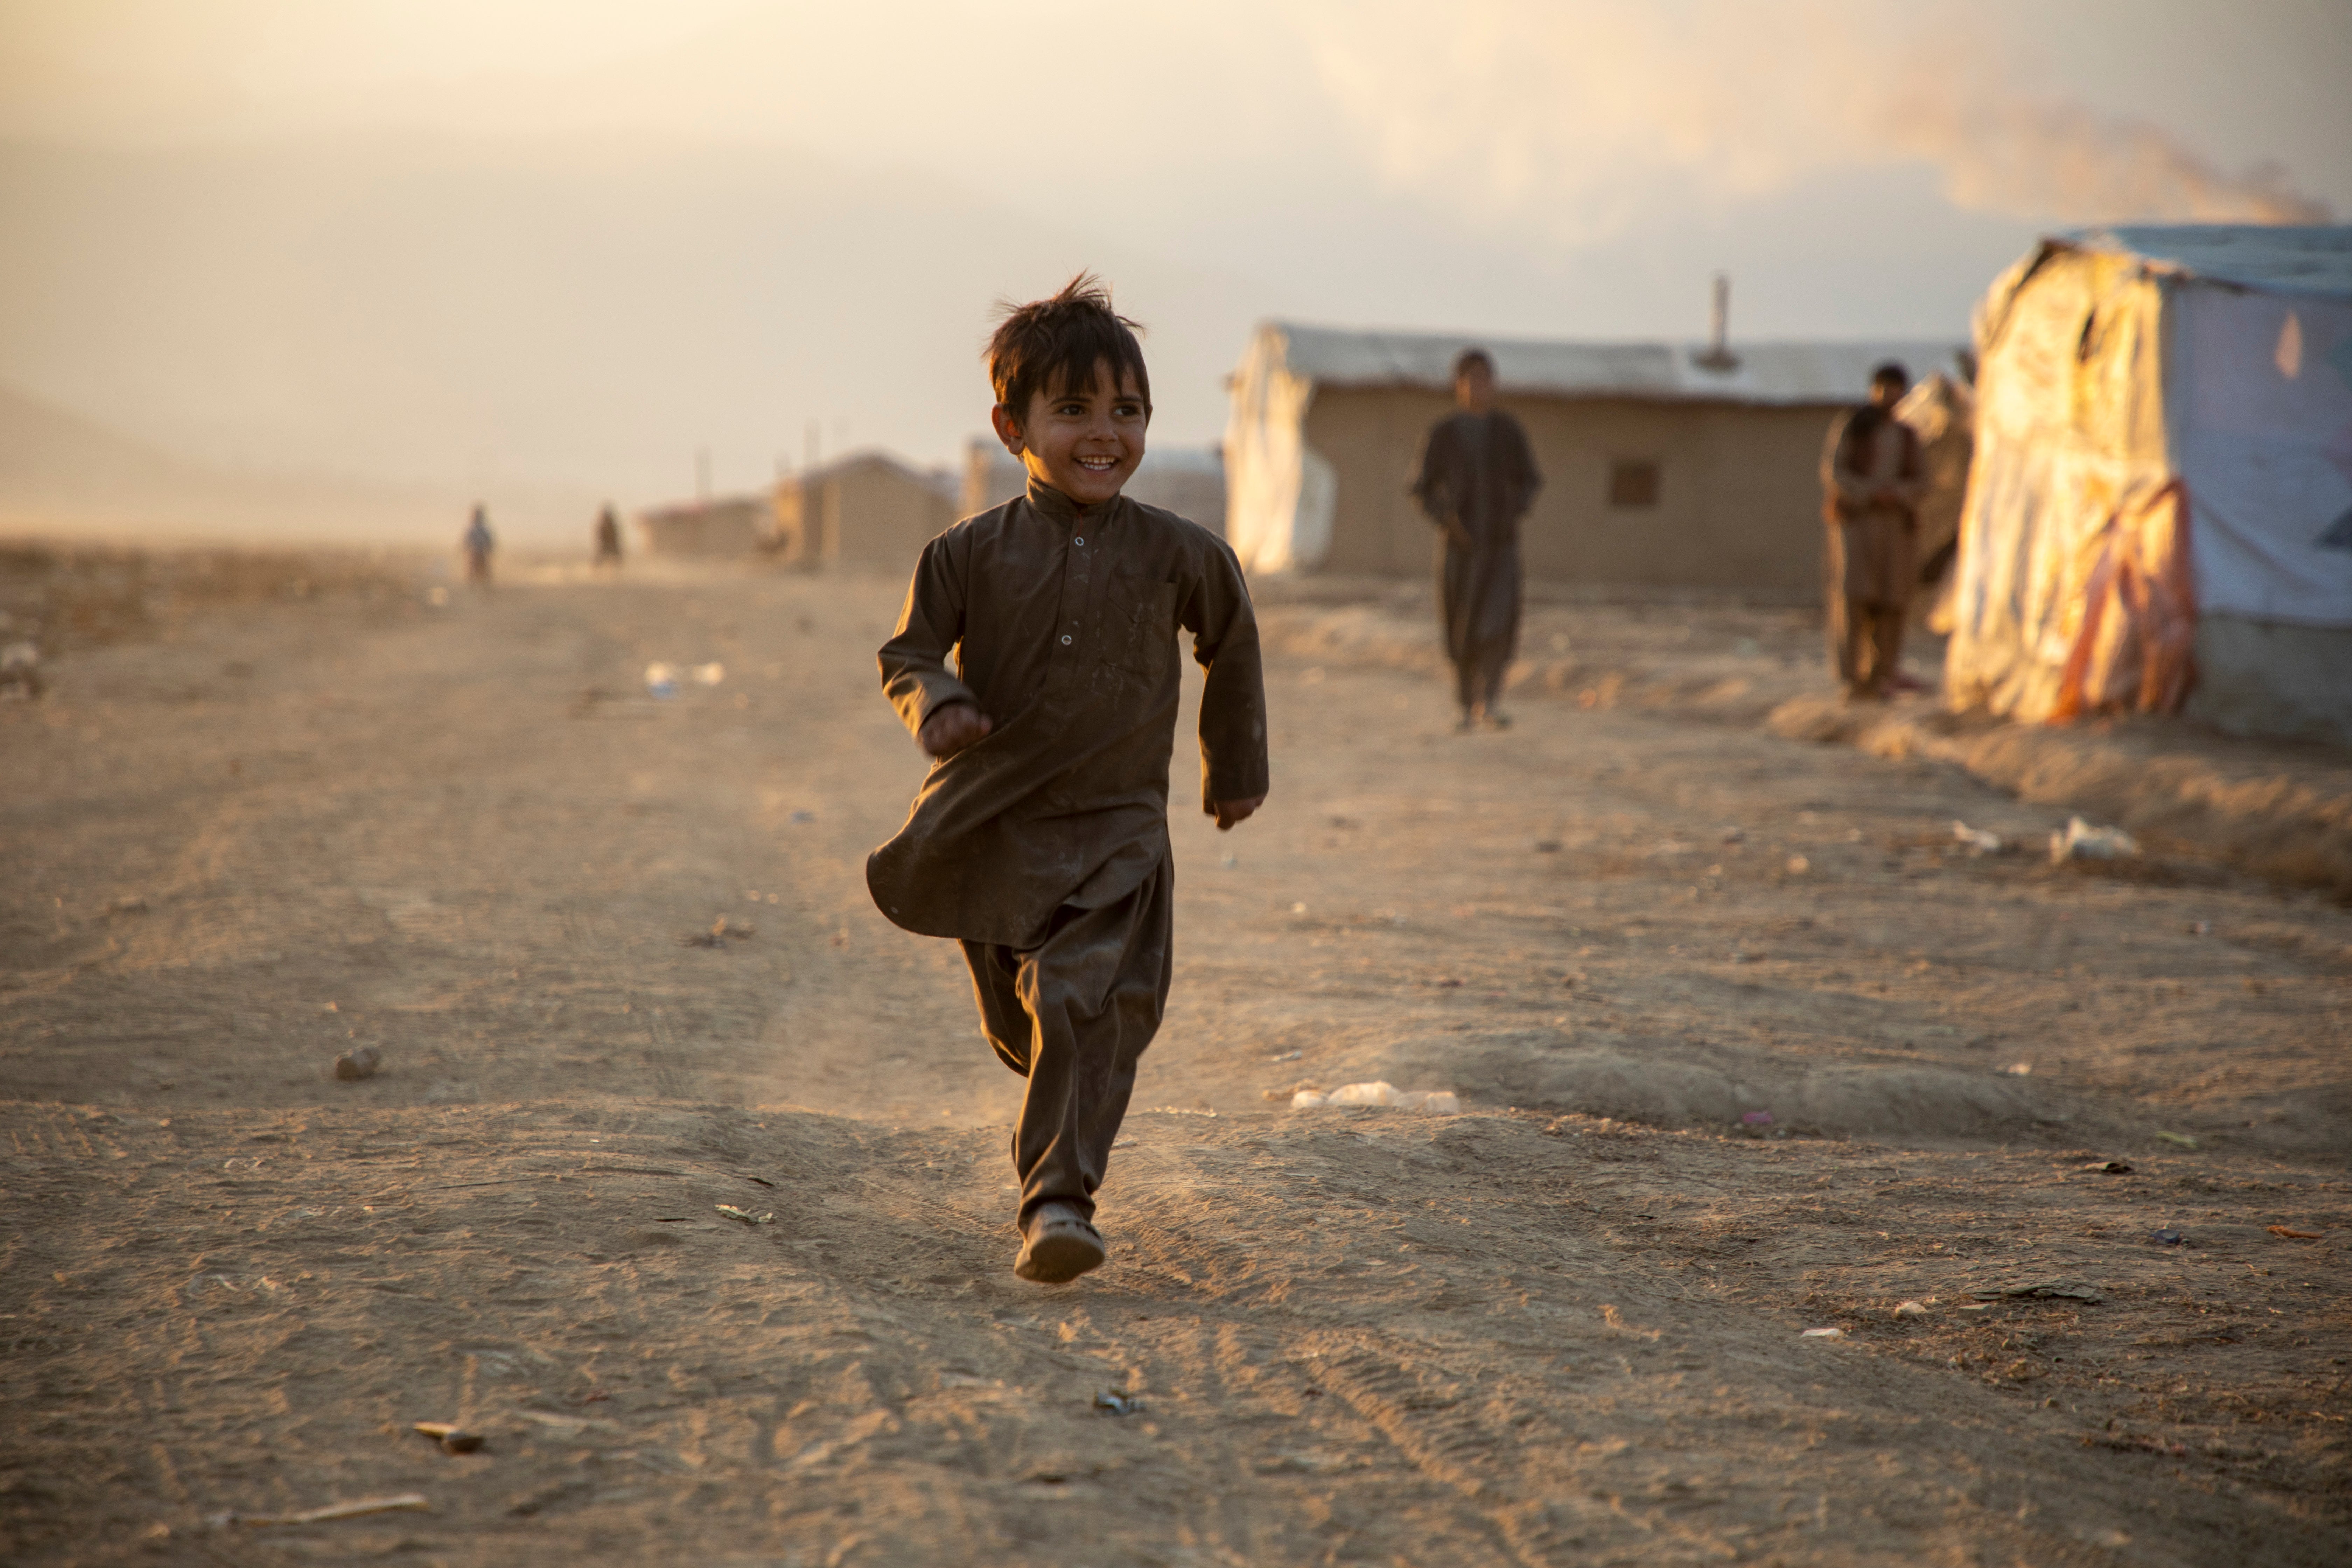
(1085, 443)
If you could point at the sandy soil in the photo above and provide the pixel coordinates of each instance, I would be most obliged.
(1564, 1326)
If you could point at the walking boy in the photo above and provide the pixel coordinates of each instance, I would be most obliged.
(1040, 837)
(1874, 476)
(1476, 480)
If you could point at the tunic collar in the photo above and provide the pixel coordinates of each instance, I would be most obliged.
(1052, 505)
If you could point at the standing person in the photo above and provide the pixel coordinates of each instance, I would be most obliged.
(1872, 476)
(1035, 659)
(608, 538)
(478, 544)
(1476, 480)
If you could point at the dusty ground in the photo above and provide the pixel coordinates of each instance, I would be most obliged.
(1563, 1326)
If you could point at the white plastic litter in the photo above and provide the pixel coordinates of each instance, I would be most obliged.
(710, 674)
(1978, 841)
(661, 679)
(2081, 841)
(20, 669)
(1823, 1334)
(1438, 1101)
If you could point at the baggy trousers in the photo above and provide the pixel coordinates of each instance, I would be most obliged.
(1478, 673)
(1073, 1018)
(1867, 639)
(1478, 590)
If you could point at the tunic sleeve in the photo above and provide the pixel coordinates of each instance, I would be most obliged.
(915, 674)
(1847, 488)
(1527, 479)
(1432, 483)
(1232, 701)
(1911, 484)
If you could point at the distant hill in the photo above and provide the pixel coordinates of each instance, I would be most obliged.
(61, 473)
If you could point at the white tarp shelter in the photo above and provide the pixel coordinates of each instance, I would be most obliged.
(2159, 512)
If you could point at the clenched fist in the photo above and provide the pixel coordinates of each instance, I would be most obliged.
(950, 729)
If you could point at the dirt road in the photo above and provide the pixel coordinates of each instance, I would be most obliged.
(1566, 1325)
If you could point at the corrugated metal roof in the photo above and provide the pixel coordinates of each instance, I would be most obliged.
(2277, 258)
(1772, 372)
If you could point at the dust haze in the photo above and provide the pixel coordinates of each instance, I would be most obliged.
(546, 256)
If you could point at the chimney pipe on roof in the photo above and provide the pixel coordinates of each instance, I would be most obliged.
(1718, 355)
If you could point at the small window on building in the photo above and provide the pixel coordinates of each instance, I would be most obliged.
(1633, 481)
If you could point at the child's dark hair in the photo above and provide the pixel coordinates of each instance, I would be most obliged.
(1053, 346)
(1469, 360)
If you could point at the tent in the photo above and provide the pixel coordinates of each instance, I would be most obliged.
(1670, 466)
(721, 526)
(865, 508)
(2159, 512)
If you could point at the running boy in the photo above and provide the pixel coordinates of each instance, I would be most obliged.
(1040, 835)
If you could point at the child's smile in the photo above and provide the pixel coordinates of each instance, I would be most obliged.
(1085, 443)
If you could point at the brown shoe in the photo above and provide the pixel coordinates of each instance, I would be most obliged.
(1059, 1245)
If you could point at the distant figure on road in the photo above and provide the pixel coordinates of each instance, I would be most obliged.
(608, 538)
(1872, 476)
(1477, 478)
(478, 545)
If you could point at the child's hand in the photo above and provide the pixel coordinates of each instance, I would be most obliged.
(1228, 811)
(952, 728)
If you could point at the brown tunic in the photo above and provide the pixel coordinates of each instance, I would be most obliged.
(1062, 624)
(1872, 543)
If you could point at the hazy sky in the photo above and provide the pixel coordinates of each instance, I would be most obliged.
(565, 242)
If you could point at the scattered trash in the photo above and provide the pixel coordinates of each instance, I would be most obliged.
(2081, 841)
(1287, 1057)
(1823, 1334)
(2018, 1069)
(661, 681)
(2201, 927)
(453, 1438)
(1978, 840)
(2054, 1290)
(745, 1216)
(1440, 1101)
(1447, 981)
(2182, 1139)
(1912, 1310)
(1799, 864)
(20, 669)
(1118, 1401)
(359, 1062)
(2136, 1443)
(721, 930)
(2291, 1234)
(710, 674)
(333, 1511)
(2167, 1237)
(1755, 1118)
(2108, 1167)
